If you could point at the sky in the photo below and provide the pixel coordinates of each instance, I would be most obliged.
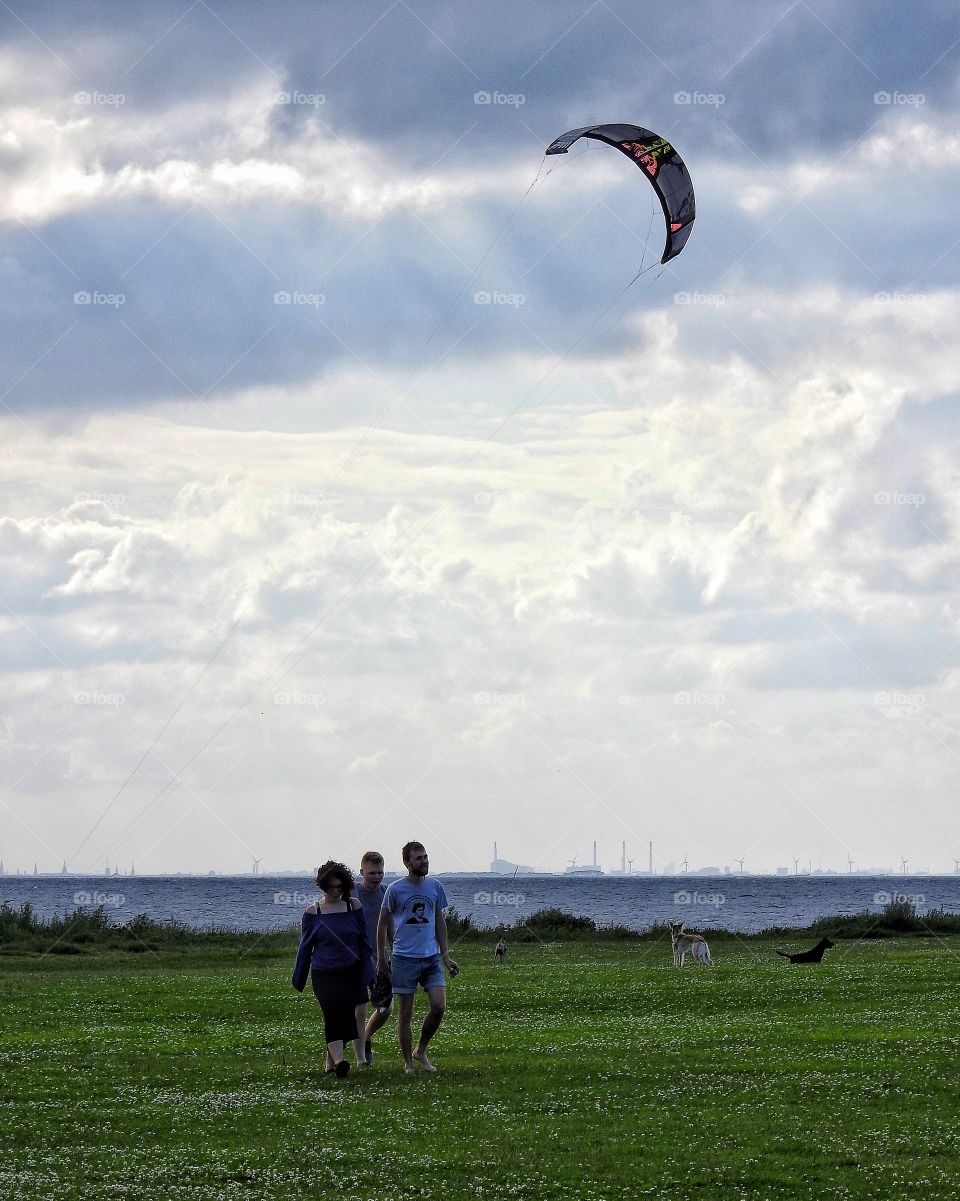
(352, 493)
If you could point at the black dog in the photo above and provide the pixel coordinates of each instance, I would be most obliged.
(814, 955)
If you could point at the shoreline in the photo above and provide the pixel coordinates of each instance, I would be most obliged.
(83, 931)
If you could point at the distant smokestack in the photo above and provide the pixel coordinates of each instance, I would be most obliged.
(623, 858)
(651, 857)
(594, 853)
(495, 855)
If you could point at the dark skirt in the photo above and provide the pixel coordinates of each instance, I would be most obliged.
(339, 993)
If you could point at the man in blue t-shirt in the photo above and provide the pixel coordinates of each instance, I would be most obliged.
(370, 894)
(415, 905)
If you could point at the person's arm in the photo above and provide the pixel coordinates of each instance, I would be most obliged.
(301, 969)
(441, 929)
(366, 947)
(384, 923)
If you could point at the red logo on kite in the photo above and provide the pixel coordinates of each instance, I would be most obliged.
(647, 155)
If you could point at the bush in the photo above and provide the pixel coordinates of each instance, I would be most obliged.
(459, 926)
(900, 914)
(87, 931)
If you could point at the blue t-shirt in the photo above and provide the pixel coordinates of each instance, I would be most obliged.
(372, 903)
(414, 909)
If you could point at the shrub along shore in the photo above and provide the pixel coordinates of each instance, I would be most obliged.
(90, 930)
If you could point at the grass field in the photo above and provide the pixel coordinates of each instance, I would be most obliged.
(578, 1071)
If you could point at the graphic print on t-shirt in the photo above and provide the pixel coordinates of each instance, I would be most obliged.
(414, 907)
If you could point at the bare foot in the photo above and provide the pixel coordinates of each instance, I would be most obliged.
(408, 1068)
(421, 1058)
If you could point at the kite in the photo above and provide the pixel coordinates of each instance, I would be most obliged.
(661, 164)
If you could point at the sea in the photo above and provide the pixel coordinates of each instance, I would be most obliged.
(267, 902)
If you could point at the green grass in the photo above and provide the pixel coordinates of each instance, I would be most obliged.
(578, 1071)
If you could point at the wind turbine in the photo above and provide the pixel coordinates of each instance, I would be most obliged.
(256, 866)
(956, 866)
(903, 865)
(740, 861)
(796, 866)
(630, 866)
(686, 864)
(849, 863)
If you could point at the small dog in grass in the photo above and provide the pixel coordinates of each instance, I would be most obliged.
(814, 955)
(685, 944)
(500, 953)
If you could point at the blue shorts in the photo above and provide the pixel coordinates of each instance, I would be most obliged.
(406, 972)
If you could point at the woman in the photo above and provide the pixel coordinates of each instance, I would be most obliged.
(336, 949)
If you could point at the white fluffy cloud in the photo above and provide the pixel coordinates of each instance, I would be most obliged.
(70, 149)
(667, 583)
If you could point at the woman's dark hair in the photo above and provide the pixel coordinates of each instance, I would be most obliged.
(332, 870)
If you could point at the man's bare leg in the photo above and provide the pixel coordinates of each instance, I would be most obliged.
(359, 1044)
(359, 1050)
(378, 1018)
(431, 1024)
(405, 1028)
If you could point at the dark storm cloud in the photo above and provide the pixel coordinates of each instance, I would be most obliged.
(404, 74)
(199, 311)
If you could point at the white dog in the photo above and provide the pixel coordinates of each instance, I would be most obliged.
(684, 944)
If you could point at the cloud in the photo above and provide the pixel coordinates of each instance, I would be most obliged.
(441, 554)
